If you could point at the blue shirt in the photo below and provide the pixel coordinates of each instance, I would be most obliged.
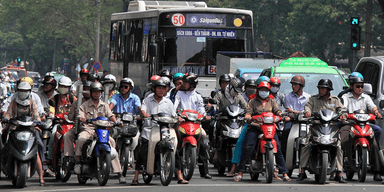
(296, 103)
(130, 105)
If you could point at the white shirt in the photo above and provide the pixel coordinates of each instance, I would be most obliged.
(189, 100)
(364, 102)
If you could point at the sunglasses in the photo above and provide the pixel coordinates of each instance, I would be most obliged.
(359, 86)
(124, 86)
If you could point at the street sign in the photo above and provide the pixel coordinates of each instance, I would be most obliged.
(14, 64)
(96, 66)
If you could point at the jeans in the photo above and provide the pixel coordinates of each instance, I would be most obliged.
(377, 130)
(239, 146)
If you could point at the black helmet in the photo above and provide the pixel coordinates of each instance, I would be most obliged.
(250, 82)
(49, 80)
(165, 73)
(93, 76)
(326, 83)
(236, 84)
(87, 84)
(159, 82)
(224, 77)
(353, 80)
(191, 78)
(96, 86)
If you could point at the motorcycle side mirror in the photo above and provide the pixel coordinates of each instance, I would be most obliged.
(213, 94)
(212, 101)
(210, 109)
(205, 100)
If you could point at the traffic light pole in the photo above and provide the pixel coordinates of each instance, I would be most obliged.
(368, 28)
(354, 60)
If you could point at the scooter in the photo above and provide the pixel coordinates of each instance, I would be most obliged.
(96, 154)
(296, 140)
(228, 128)
(19, 154)
(126, 143)
(325, 136)
(161, 148)
(264, 158)
(362, 137)
(62, 125)
(189, 133)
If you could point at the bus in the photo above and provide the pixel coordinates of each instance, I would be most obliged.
(178, 36)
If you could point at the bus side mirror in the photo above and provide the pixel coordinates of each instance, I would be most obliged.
(153, 49)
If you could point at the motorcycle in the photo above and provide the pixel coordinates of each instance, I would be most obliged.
(19, 154)
(126, 143)
(161, 148)
(47, 130)
(362, 137)
(189, 133)
(296, 140)
(264, 158)
(96, 154)
(324, 140)
(230, 122)
(62, 125)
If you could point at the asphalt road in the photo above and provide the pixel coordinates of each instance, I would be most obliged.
(217, 183)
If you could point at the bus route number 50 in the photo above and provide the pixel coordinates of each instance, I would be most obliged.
(178, 19)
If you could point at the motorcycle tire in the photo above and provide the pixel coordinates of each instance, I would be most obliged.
(82, 180)
(363, 161)
(269, 167)
(147, 178)
(167, 167)
(323, 169)
(189, 163)
(104, 169)
(124, 160)
(62, 169)
(21, 178)
(254, 176)
(350, 175)
(221, 170)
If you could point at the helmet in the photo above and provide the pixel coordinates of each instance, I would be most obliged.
(24, 86)
(109, 79)
(49, 74)
(264, 84)
(326, 83)
(93, 76)
(128, 81)
(159, 82)
(355, 77)
(87, 84)
(153, 79)
(27, 79)
(65, 81)
(191, 78)
(250, 82)
(96, 86)
(166, 80)
(224, 77)
(84, 71)
(236, 84)
(49, 80)
(177, 76)
(297, 79)
(355, 74)
(275, 81)
(262, 78)
(165, 73)
(2, 76)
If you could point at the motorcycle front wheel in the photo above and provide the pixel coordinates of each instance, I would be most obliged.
(62, 168)
(21, 178)
(124, 159)
(189, 162)
(363, 161)
(323, 162)
(104, 168)
(269, 167)
(167, 167)
(147, 178)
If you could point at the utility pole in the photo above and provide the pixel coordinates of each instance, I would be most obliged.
(368, 28)
(97, 54)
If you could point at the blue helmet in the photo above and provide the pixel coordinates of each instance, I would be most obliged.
(262, 78)
(355, 77)
(178, 76)
(356, 74)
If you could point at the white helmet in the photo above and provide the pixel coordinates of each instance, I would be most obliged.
(109, 79)
(113, 153)
(24, 86)
(49, 74)
(65, 81)
(128, 81)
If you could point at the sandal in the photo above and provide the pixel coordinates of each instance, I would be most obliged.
(182, 182)
(135, 182)
(286, 178)
(238, 178)
(230, 174)
(48, 174)
(42, 183)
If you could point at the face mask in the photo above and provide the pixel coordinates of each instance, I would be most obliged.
(263, 94)
(275, 89)
(233, 93)
(63, 90)
(23, 95)
(250, 91)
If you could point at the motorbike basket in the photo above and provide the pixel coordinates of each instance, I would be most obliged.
(129, 131)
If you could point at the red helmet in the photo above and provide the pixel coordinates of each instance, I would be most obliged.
(264, 84)
(154, 78)
(84, 71)
(275, 81)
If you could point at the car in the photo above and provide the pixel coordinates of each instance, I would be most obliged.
(312, 69)
(36, 77)
(248, 73)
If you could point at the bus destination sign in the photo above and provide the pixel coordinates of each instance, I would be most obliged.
(206, 20)
(212, 33)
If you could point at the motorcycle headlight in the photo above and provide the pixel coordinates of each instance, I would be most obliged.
(197, 131)
(225, 133)
(182, 130)
(371, 133)
(127, 117)
(268, 120)
(24, 136)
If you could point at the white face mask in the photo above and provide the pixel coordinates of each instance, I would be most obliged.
(23, 95)
(63, 90)
(275, 89)
(263, 94)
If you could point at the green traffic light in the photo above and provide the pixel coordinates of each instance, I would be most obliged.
(354, 44)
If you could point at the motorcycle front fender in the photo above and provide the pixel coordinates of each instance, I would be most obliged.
(290, 147)
(189, 139)
(362, 142)
(102, 147)
(166, 146)
(268, 144)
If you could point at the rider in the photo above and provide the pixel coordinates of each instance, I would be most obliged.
(153, 104)
(356, 100)
(279, 96)
(3, 86)
(149, 85)
(93, 77)
(177, 81)
(65, 98)
(47, 91)
(250, 88)
(323, 100)
(350, 77)
(85, 97)
(84, 73)
(188, 98)
(110, 82)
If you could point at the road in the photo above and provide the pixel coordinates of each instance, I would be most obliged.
(217, 183)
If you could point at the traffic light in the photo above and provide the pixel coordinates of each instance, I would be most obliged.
(355, 33)
(18, 61)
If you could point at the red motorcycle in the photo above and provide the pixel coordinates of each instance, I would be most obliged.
(189, 133)
(264, 158)
(62, 125)
(362, 136)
